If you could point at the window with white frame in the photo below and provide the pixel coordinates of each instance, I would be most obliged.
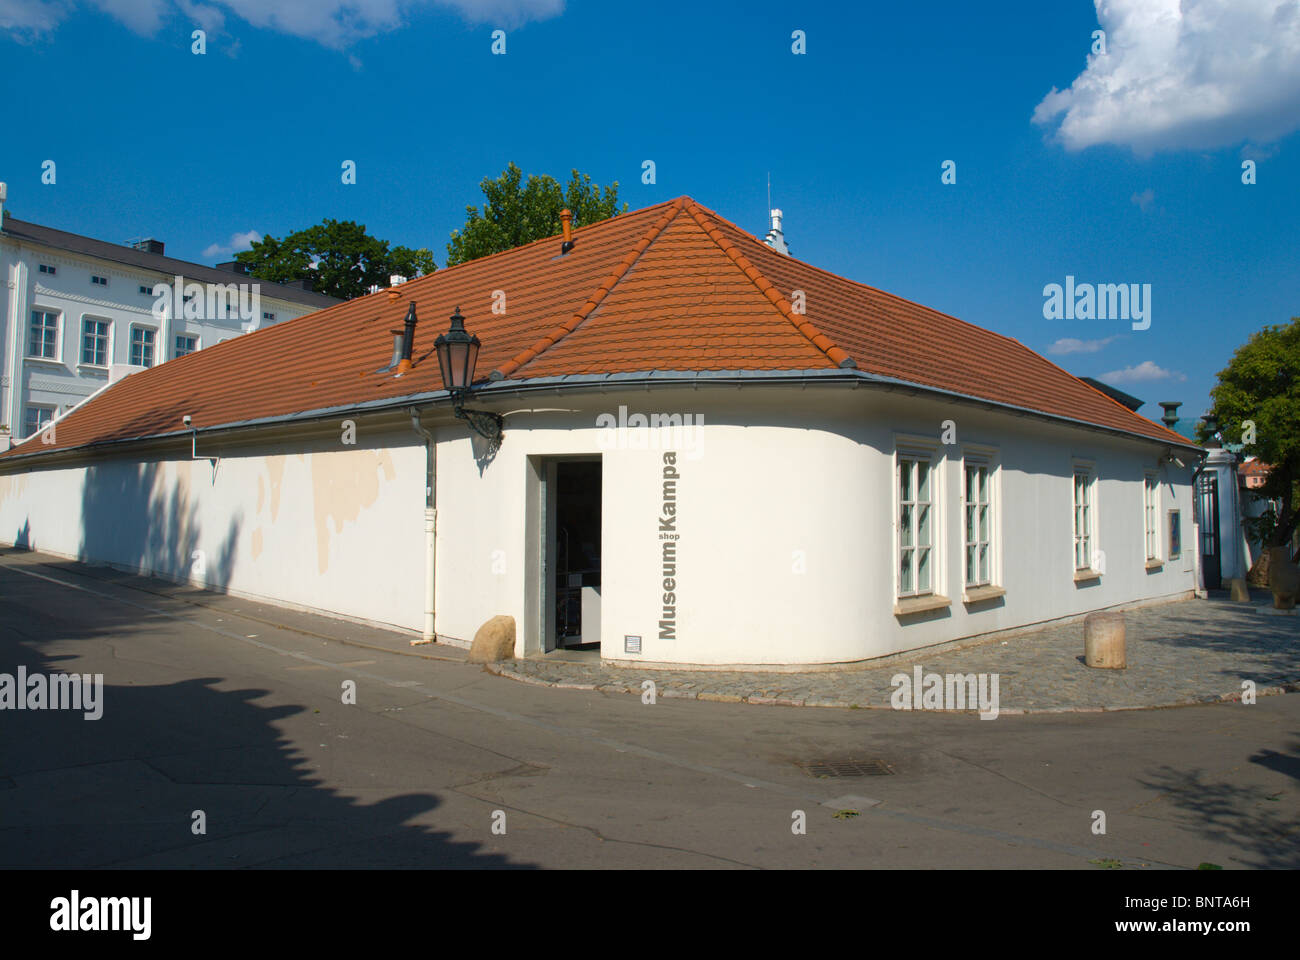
(98, 280)
(94, 341)
(186, 344)
(142, 342)
(1151, 516)
(1084, 544)
(44, 339)
(35, 419)
(915, 484)
(977, 517)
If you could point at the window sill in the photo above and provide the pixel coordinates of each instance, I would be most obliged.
(1083, 576)
(48, 361)
(980, 594)
(93, 368)
(1155, 564)
(925, 604)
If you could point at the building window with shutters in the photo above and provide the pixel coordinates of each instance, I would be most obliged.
(977, 522)
(94, 342)
(35, 419)
(43, 338)
(1151, 518)
(142, 346)
(915, 488)
(1085, 521)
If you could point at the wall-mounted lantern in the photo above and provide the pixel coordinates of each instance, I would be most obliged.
(457, 358)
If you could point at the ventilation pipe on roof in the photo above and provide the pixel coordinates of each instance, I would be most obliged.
(566, 224)
(4, 195)
(408, 340)
(1170, 419)
(775, 237)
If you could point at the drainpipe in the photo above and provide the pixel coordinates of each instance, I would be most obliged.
(430, 524)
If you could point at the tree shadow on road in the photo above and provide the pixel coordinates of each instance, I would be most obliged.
(1259, 820)
(122, 790)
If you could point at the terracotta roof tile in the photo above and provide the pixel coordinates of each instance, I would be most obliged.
(672, 287)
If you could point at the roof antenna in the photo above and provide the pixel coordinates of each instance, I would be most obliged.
(775, 236)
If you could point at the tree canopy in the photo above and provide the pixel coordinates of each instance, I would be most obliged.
(348, 261)
(519, 212)
(1261, 384)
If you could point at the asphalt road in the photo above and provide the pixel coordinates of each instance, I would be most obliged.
(207, 710)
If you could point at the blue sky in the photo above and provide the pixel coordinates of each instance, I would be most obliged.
(1132, 175)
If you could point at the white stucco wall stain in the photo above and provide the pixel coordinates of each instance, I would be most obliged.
(342, 486)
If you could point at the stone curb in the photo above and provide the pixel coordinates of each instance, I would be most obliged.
(503, 669)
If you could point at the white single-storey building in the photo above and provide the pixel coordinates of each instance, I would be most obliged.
(713, 453)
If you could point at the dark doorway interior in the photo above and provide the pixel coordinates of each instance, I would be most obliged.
(1207, 515)
(577, 553)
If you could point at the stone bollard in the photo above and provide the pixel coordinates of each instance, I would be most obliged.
(494, 641)
(1238, 590)
(1103, 640)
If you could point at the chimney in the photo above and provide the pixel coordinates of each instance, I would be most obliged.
(566, 224)
(775, 237)
(4, 195)
(408, 340)
(396, 279)
(148, 245)
(234, 266)
(1170, 419)
(1211, 420)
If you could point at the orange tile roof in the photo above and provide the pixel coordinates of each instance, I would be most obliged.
(672, 287)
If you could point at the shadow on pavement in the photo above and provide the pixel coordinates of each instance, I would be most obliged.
(121, 790)
(1260, 822)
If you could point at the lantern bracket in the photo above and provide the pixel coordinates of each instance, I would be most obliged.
(485, 423)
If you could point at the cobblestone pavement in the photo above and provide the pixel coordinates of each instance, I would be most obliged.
(1191, 651)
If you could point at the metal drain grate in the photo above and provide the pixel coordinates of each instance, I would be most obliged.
(844, 768)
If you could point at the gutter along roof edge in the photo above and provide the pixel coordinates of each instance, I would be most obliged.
(650, 378)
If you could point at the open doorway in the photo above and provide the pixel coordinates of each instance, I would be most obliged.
(571, 569)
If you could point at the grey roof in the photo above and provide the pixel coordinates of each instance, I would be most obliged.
(1114, 393)
(119, 253)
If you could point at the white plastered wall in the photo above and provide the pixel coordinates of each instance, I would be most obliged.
(329, 527)
(786, 549)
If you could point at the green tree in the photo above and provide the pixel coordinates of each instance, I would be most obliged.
(348, 260)
(1262, 384)
(519, 212)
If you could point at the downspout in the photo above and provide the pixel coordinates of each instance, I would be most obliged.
(430, 525)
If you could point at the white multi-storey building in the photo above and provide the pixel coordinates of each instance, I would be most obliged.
(77, 314)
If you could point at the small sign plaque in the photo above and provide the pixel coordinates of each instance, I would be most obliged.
(631, 644)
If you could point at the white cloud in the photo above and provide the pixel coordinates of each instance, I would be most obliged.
(26, 19)
(238, 242)
(1144, 372)
(331, 23)
(1257, 153)
(1184, 74)
(142, 16)
(1144, 199)
(1068, 345)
